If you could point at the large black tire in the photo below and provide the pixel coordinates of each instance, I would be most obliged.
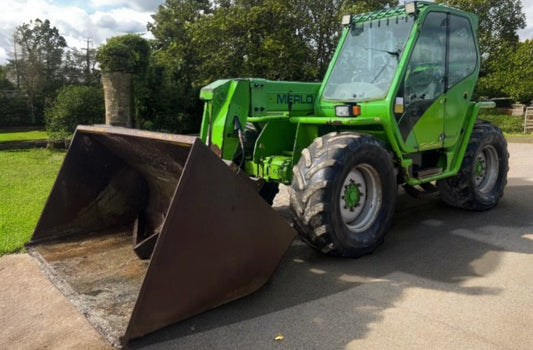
(483, 174)
(343, 194)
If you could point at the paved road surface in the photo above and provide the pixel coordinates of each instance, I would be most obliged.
(444, 279)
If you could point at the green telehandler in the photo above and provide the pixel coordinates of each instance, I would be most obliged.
(395, 108)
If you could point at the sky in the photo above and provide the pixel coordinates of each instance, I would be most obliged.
(76, 20)
(97, 20)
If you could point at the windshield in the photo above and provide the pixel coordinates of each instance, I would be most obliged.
(368, 60)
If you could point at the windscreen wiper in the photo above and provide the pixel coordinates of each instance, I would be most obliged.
(392, 53)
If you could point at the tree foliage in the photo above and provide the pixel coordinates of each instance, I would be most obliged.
(511, 73)
(126, 53)
(13, 106)
(79, 68)
(246, 39)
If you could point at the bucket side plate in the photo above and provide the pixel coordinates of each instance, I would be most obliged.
(220, 242)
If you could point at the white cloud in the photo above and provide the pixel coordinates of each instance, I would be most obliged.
(527, 8)
(138, 5)
(76, 20)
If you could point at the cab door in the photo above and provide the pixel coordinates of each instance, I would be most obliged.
(433, 101)
(463, 69)
(420, 103)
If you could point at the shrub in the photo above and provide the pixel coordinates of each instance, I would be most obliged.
(74, 105)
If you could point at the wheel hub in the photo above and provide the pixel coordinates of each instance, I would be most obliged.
(360, 197)
(480, 167)
(352, 195)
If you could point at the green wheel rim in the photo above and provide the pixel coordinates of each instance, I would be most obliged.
(486, 169)
(361, 198)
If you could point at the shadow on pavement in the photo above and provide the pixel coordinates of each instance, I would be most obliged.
(430, 244)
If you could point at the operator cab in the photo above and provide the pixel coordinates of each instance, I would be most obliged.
(415, 64)
(369, 59)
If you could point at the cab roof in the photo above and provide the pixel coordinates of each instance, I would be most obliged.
(393, 11)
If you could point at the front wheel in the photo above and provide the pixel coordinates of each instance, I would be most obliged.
(483, 173)
(343, 194)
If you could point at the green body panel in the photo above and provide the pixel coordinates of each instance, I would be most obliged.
(225, 100)
(286, 98)
(456, 111)
(427, 132)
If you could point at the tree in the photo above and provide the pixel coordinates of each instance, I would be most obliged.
(521, 88)
(248, 39)
(78, 67)
(511, 73)
(38, 55)
(289, 39)
(176, 62)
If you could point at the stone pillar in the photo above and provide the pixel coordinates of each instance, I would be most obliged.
(118, 98)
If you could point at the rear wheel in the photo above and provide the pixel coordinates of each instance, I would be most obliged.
(483, 173)
(343, 194)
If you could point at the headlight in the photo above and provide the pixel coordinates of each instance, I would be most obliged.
(348, 111)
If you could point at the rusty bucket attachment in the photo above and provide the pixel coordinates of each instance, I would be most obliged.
(143, 229)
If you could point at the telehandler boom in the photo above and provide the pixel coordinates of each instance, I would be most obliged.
(395, 108)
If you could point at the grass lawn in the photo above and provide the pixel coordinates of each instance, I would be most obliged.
(25, 182)
(21, 134)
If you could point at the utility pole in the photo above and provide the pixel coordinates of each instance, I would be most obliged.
(88, 62)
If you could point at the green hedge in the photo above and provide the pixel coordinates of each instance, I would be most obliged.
(14, 110)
